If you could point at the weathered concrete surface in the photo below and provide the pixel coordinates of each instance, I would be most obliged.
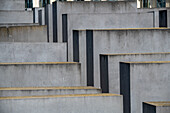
(40, 74)
(113, 66)
(156, 107)
(8, 16)
(23, 34)
(105, 20)
(17, 24)
(11, 92)
(12, 5)
(118, 41)
(88, 7)
(144, 81)
(94, 103)
(33, 52)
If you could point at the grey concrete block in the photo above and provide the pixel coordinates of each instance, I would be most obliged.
(41, 16)
(156, 107)
(109, 67)
(11, 92)
(35, 14)
(91, 43)
(12, 5)
(102, 21)
(40, 74)
(33, 52)
(23, 34)
(17, 24)
(94, 103)
(8, 16)
(60, 8)
(144, 81)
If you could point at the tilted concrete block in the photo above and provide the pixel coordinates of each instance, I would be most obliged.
(8, 16)
(87, 103)
(60, 8)
(23, 34)
(37, 91)
(33, 52)
(110, 68)
(156, 107)
(89, 44)
(40, 74)
(143, 81)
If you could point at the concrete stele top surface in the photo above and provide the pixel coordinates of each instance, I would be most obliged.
(125, 29)
(149, 62)
(135, 54)
(57, 96)
(38, 63)
(18, 26)
(161, 104)
(46, 88)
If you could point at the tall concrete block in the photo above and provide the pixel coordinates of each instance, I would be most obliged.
(13, 16)
(37, 91)
(143, 81)
(109, 67)
(41, 16)
(40, 74)
(35, 14)
(60, 8)
(101, 21)
(156, 107)
(89, 44)
(87, 103)
(12, 5)
(33, 52)
(23, 34)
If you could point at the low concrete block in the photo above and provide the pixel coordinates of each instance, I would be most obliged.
(144, 81)
(60, 8)
(89, 44)
(23, 34)
(37, 91)
(109, 67)
(33, 52)
(156, 107)
(8, 16)
(87, 103)
(40, 74)
(12, 5)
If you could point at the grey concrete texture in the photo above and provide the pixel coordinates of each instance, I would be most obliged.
(121, 41)
(33, 52)
(114, 67)
(40, 75)
(12, 5)
(163, 109)
(33, 92)
(148, 82)
(8, 16)
(17, 24)
(23, 34)
(72, 104)
(90, 7)
(105, 21)
(41, 16)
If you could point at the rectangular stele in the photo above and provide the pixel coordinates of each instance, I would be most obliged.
(144, 81)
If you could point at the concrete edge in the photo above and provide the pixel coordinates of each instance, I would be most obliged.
(160, 104)
(38, 63)
(148, 62)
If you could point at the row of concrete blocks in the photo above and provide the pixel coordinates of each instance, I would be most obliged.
(139, 82)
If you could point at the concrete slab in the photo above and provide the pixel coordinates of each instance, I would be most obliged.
(40, 74)
(23, 34)
(13, 16)
(102, 21)
(87, 103)
(89, 44)
(37, 91)
(33, 52)
(144, 81)
(12, 5)
(60, 8)
(156, 107)
(109, 67)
